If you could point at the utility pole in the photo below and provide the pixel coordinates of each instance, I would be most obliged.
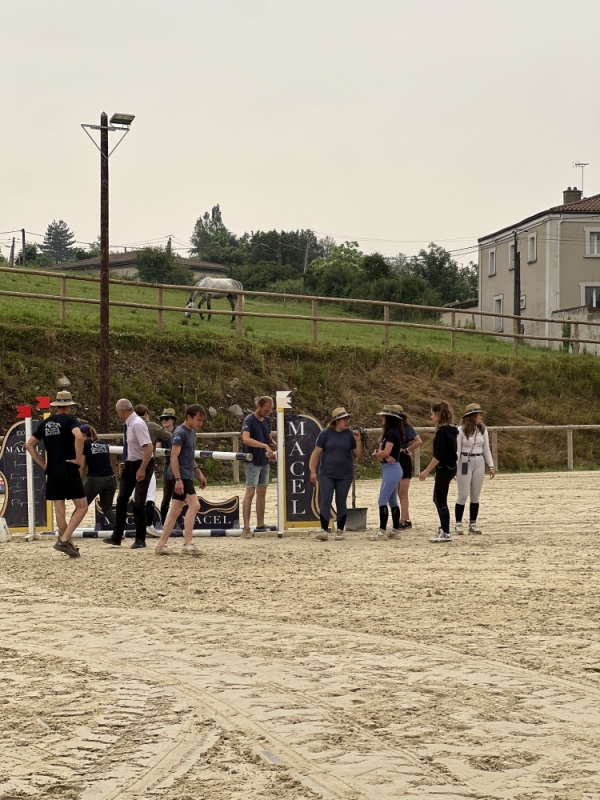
(23, 245)
(104, 278)
(517, 303)
(11, 260)
(279, 251)
(306, 255)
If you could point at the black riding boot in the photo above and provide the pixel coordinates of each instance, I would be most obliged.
(396, 517)
(383, 517)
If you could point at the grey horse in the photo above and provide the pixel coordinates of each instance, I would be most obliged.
(203, 288)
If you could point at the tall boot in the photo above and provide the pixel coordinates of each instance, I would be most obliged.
(473, 513)
(149, 514)
(444, 515)
(396, 517)
(383, 517)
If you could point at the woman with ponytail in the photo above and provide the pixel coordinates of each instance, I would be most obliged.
(444, 463)
(388, 451)
(100, 478)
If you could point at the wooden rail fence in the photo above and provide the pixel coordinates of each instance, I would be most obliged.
(315, 318)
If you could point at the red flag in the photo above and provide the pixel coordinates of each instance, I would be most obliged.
(23, 412)
(43, 404)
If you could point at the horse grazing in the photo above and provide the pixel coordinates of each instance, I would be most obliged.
(203, 288)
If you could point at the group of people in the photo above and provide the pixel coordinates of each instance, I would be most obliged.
(458, 452)
(72, 447)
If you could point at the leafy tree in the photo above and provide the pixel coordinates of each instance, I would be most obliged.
(375, 267)
(58, 241)
(79, 254)
(155, 265)
(336, 274)
(212, 241)
(34, 257)
(439, 270)
(263, 276)
(283, 247)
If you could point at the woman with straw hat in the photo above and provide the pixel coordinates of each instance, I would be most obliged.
(444, 464)
(332, 468)
(388, 451)
(473, 448)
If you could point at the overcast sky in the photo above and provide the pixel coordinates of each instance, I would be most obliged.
(393, 122)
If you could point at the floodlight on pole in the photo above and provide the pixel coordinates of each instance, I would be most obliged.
(124, 120)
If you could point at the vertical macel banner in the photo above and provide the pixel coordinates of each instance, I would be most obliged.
(301, 497)
(13, 468)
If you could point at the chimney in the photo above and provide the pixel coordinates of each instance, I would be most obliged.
(571, 195)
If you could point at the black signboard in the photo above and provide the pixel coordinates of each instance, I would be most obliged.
(13, 469)
(301, 497)
(222, 516)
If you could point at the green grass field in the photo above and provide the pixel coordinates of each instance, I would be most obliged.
(44, 312)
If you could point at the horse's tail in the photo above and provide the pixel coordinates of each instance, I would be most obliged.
(241, 296)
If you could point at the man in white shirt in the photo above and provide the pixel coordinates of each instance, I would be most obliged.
(137, 467)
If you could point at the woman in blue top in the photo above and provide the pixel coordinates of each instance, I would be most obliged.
(388, 452)
(332, 467)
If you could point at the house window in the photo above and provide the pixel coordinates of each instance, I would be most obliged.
(592, 296)
(595, 243)
(498, 321)
(492, 262)
(532, 248)
(511, 255)
(523, 301)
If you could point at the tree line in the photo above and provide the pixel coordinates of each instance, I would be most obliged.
(296, 261)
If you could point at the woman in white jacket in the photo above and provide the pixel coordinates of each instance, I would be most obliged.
(473, 450)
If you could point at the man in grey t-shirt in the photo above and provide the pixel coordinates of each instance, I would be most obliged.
(180, 477)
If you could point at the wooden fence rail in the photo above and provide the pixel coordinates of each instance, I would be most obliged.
(314, 318)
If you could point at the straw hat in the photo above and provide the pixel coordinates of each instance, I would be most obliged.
(391, 410)
(168, 412)
(339, 413)
(473, 408)
(63, 399)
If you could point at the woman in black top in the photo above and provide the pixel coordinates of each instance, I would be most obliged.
(388, 452)
(444, 463)
(100, 477)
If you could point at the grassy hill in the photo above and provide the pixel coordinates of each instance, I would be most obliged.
(203, 363)
(46, 313)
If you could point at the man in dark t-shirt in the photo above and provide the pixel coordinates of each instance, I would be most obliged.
(63, 441)
(257, 439)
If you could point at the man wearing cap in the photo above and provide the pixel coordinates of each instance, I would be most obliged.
(137, 466)
(63, 441)
(257, 439)
(333, 456)
(168, 420)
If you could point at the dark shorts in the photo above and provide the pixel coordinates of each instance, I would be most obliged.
(188, 488)
(66, 486)
(406, 463)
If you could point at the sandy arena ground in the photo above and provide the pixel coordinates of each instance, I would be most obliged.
(279, 669)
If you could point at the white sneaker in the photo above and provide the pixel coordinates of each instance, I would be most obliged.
(322, 536)
(440, 537)
(339, 536)
(394, 533)
(190, 550)
(153, 533)
(473, 528)
(162, 551)
(377, 536)
(458, 528)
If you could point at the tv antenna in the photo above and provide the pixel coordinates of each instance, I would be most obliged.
(582, 165)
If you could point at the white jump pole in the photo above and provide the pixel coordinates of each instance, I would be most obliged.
(216, 455)
(283, 401)
(31, 534)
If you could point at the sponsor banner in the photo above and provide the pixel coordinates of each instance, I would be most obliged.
(222, 515)
(301, 497)
(13, 475)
